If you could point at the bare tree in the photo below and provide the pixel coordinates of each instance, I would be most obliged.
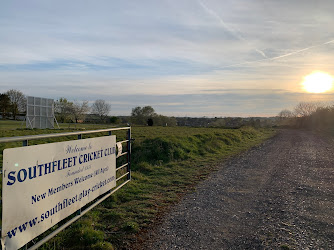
(79, 111)
(304, 109)
(285, 114)
(18, 101)
(101, 108)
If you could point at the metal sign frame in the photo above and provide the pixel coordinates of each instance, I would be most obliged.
(124, 177)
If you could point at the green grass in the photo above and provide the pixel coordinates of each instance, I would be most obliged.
(9, 124)
(167, 162)
(13, 125)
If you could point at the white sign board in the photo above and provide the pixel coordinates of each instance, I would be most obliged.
(44, 184)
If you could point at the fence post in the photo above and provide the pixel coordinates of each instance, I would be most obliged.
(129, 154)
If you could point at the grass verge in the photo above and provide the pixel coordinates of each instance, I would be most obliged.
(166, 164)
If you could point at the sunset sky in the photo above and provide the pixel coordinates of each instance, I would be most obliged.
(182, 57)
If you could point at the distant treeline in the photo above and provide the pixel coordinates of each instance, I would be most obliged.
(227, 122)
(217, 122)
(13, 106)
(309, 115)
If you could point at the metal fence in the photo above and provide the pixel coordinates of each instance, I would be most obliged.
(123, 172)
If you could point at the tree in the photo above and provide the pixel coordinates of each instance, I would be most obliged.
(79, 111)
(137, 116)
(63, 109)
(4, 104)
(18, 101)
(114, 119)
(304, 109)
(285, 114)
(141, 115)
(101, 108)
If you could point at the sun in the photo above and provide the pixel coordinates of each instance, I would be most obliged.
(318, 82)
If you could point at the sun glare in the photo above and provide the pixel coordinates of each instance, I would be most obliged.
(318, 82)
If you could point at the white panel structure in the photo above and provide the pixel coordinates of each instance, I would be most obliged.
(40, 113)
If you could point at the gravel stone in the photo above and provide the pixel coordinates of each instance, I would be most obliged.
(277, 195)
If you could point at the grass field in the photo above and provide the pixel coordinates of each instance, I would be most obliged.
(166, 163)
(13, 125)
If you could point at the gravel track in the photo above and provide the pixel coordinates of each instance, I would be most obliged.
(278, 195)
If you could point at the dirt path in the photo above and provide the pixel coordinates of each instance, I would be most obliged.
(277, 195)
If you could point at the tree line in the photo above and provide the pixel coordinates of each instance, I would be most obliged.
(310, 115)
(13, 103)
(305, 114)
(67, 111)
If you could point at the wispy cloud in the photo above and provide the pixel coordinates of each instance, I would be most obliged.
(280, 56)
(212, 52)
(228, 27)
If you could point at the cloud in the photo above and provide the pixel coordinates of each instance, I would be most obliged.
(107, 49)
(281, 56)
(227, 27)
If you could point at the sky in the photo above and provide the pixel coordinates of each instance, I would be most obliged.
(182, 57)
